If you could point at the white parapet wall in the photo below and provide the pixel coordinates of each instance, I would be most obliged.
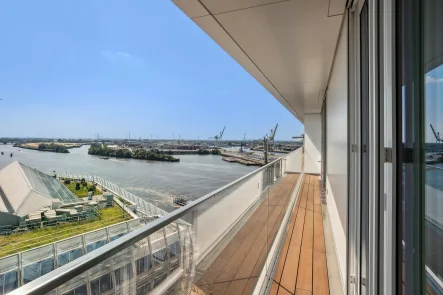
(312, 143)
(293, 161)
(215, 221)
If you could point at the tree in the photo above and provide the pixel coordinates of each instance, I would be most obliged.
(42, 146)
(77, 186)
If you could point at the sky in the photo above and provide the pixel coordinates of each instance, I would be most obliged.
(73, 69)
(433, 102)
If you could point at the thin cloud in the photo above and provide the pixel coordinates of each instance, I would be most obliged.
(430, 79)
(121, 56)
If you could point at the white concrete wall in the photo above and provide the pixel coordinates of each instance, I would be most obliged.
(294, 161)
(215, 218)
(312, 143)
(14, 185)
(337, 146)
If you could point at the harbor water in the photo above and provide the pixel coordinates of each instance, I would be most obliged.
(158, 182)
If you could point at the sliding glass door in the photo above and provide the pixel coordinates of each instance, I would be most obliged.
(422, 156)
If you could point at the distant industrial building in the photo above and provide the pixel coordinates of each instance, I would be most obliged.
(24, 190)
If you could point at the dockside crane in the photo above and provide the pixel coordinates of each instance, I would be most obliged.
(243, 142)
(271, 138)
(218, 136)
(437, 135)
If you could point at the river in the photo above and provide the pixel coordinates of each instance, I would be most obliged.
(159, 182)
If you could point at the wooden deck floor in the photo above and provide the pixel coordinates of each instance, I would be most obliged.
(302, 268)
(236, 269)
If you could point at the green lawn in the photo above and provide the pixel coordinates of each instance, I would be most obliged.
(83, 191)
(22, 241)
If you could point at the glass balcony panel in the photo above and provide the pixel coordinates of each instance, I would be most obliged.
(225, 236)
(235, 229)
(10, 281)
(139, 268)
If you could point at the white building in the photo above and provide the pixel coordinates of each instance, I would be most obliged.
(24, 190)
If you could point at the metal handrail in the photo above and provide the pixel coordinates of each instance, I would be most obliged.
(61, 275)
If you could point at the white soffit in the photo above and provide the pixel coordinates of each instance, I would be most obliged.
(288, 46)
(217, 6)
(336, 7)
(192, 8)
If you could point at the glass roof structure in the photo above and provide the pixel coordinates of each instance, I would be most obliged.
(48, 185)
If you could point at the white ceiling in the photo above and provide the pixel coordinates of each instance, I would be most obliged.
(287, 45)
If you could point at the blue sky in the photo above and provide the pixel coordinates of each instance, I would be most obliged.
(77, 68)
(434, 102)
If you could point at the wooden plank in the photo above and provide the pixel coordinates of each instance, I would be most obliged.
(297, 203)
(211, 275)
(237, 286)
(283, 291)
(260, 262)
(219, 264)
(319, 238)
(294, 214)
(215, 289)
(289, 276)
(310, 197)
(287, 194)
(304, 194)
(236, 269)
(285, 247)
(308, 230)
(274, 289)
(242, 263)
(297, 233)
(282, 260)
(274, 196)
(239, 256)
(320, 283)
(250, 286)
(317, 208)
(317, 200)
(236, 260)
(304, 274)
(273, 232)
(280, 189)
(302, 292)
(248, 264)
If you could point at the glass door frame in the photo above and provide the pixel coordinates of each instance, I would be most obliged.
(412, 155)
(364, 271)
(324, 148)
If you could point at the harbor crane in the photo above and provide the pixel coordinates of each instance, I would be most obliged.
(437, 135)
(271, 137)
(243, 142)
(218, 136)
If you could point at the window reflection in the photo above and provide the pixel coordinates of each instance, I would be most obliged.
(434, 174)
(433, 145)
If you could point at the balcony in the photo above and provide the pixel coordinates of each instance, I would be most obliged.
(261, 233)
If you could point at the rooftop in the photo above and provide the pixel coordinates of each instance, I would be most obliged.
(24, 190)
